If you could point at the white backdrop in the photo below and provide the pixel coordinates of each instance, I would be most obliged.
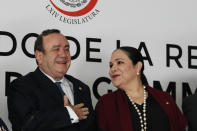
(161, 24)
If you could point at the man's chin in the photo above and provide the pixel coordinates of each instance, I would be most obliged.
(62, 72)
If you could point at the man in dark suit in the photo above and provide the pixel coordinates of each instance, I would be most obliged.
(189, 107)
(48, 99)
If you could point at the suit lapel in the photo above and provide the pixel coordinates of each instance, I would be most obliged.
(77, 96)
(77, 90)
(48, 87)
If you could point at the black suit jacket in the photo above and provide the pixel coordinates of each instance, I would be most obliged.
(189, 107)
(36, 104)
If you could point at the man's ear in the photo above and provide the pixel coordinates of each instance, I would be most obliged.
(139, 66)
(39, 57)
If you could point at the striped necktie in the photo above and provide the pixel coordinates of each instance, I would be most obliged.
(60, 88)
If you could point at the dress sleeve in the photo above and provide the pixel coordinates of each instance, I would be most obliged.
(179, 118)
(100, 117)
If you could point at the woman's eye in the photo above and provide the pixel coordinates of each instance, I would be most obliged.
(120, 62)
(110, 66)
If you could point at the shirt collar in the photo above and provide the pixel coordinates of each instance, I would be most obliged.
(51, 77)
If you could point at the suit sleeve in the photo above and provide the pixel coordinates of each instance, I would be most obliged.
(26, 115)
(189, 107)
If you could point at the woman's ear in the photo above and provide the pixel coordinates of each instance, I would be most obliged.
(139, 67)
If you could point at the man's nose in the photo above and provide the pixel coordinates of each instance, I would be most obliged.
(63, 53)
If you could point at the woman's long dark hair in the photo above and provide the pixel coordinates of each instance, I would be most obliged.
(135, 56)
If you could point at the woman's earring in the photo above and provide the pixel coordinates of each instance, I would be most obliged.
(138, 73)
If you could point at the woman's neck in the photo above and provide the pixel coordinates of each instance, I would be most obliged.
(136, 92)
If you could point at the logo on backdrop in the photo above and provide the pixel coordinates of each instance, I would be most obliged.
(73, 11)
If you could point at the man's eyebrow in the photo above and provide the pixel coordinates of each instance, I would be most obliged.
(67, 45)
(55, 46)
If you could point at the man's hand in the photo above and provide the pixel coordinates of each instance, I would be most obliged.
(82, 112)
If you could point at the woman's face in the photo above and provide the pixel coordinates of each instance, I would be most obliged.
(122, 71)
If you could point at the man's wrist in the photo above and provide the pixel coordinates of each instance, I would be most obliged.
(73, 116)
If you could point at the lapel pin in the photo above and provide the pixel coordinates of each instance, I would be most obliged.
(167, 103)
(80, 88)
